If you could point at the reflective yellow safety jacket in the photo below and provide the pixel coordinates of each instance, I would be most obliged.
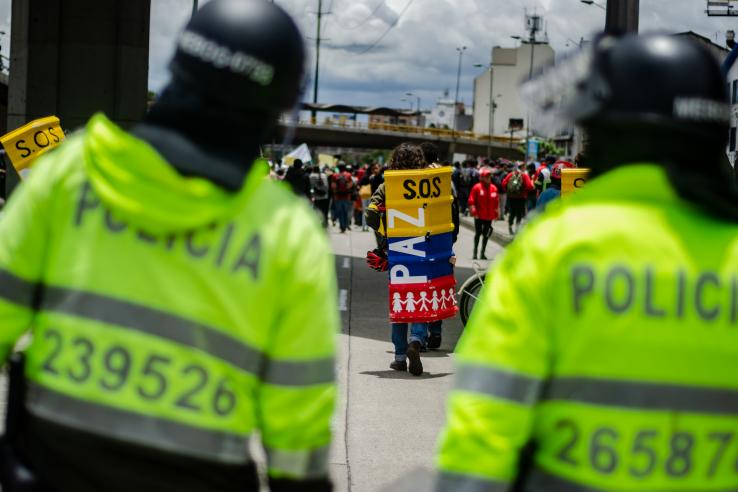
(606, 338)
(166, 312)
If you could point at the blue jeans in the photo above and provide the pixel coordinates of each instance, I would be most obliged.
(343, 207)
(418, 333)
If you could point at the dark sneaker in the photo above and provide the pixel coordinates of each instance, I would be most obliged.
(434, 340)
(399, 365)
(509, 229)
(413, 357)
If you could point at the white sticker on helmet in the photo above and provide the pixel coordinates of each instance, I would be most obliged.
(220, 56)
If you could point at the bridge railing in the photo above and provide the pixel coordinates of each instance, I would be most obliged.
(500, 141)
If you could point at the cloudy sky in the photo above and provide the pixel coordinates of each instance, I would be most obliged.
(377, 50)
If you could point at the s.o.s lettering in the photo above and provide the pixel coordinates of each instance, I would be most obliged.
(153, 378)
(424, 188)
(647, 452)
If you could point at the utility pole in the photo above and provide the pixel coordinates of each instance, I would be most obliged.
(461, 51)
(318, 40)
(622, 16)
(194, 7)
(534, 23)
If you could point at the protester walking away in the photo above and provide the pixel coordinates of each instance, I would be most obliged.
(465, 185)
(484, 205)
(297, 179)
(430, 155)
(498, 175)
(517, 184)
(320, 193)
(531, 201)
(404, 156)
(456, 181)
(602, 355)
(342, 186)
(180, 302)
(375, 180)
(365, 193)
(543, 174)
(554, 191)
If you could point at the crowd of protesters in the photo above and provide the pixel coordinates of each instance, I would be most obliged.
(487, 190)
(340, 193)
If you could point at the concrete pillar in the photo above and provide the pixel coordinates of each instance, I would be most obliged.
(72, 58)
(622, 16)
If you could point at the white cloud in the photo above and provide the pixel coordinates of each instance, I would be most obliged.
(419, 53)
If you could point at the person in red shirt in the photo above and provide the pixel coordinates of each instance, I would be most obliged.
(517, 184)
(484, 203)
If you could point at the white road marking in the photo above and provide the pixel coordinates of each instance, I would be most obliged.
(343, 300)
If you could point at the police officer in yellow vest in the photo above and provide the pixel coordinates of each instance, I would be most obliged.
(603, 355)
(180, 303)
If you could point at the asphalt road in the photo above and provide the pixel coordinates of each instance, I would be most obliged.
(386, 423)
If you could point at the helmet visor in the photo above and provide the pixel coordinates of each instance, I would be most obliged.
(566, 93)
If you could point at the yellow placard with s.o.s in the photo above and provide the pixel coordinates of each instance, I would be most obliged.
(418, 202)
(572, 180)
(25, 144)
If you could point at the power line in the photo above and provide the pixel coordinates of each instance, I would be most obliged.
(407, 6)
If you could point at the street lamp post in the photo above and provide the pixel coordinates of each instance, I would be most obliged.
(490, 126)
(533, 30)
(410, 94)
(458, 81)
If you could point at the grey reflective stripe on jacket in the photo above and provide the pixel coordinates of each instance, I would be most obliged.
(311, 463)
(497, 383)
(189, 333)
(141, 429)
(644, 395)
(17, 290)
(457, 482)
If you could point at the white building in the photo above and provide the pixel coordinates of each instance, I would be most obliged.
(509, 67)
(442, 115)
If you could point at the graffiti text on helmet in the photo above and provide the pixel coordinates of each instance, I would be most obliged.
(693, 108)
(220, 56)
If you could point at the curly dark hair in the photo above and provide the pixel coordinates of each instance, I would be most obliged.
(406, 156)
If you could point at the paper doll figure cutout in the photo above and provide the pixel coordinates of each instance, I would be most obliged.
(434, 300)
(397, 303)
(443, 299)
(423, 301)
(410, 302)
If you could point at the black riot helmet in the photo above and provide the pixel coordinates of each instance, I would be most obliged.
(649, 97)
(653, 98)
(247, 55)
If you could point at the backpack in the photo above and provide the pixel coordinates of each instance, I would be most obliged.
(516, 185)
(319, 188)
(342, 185)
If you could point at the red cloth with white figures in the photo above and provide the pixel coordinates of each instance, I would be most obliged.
(433, 301)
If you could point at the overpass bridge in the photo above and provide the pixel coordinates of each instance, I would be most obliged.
(384, 136)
